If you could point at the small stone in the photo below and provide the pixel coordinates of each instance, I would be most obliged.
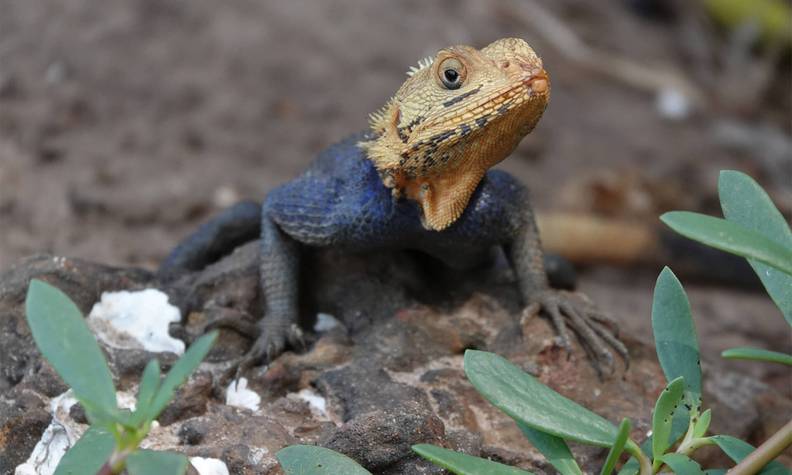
(77, 412)
(192, 432)
(238, 395)
(190, 400)
(23, 418)
(209, 466)
(673, 104)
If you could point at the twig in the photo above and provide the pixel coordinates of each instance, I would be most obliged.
(640, 76)
(765, 453)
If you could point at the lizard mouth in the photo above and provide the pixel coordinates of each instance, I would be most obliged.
(538, 83)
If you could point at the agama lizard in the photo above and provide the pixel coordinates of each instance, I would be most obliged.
(419, 179)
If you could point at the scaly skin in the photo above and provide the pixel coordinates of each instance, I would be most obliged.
(419, 179)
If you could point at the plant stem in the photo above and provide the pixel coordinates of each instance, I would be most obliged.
(765, 452)
(644, 463)
(688, 435)
(692, 445)
(117, 461)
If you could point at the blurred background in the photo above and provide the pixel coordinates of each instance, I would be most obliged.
(125, 123)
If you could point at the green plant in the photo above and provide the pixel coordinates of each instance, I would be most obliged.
(110, 445)
(754, 229)
(313, 460)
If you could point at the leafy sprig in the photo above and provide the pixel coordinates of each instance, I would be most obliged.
(110, 445)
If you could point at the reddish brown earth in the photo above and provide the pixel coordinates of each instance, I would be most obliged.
(124, 123)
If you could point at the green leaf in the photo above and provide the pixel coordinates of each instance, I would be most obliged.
(715, 471)
(65, 340)
(702, 424)
(675, 336)
(526, 400)
(737, 450)
(313, 460)
(617, 448)
(464, 464)
(730, 237)
(630, 468)
(745, 202)
(179, 373)
(126, 419)
(554, 449)
(88, 454)
(682, 464)
(679, 427)
(664, 410)
(152, 462)
(149, 383)
(772, 22)
(756, 354)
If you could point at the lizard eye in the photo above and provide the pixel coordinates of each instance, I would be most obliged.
(452, 73)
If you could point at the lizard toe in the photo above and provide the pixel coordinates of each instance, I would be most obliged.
(238, 321)
(296, 337)
(594, 329)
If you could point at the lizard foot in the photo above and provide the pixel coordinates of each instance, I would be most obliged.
(271, 341)
(236, 320)
(596, 331)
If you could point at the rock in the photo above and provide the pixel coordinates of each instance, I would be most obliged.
(82, 281)
(24, 416)
(190, 401)
(386, 376)
(193, 432)
(382, 438)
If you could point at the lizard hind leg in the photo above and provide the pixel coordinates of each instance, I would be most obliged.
(214, 239)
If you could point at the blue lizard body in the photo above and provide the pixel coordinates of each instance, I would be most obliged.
(340, 201)
(420, 180)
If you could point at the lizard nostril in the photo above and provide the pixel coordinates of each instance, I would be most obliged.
(505, 65)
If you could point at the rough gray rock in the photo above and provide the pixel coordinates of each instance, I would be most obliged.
(23, 417)
(390, 374)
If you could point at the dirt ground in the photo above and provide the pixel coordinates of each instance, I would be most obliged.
(124, 123)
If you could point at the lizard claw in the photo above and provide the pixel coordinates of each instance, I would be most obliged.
(593, 328)
(271, 342)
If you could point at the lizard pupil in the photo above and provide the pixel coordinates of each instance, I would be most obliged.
(451, 79)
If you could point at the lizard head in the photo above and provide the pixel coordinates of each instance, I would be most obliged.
(457, 114)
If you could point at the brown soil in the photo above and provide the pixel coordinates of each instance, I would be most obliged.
(124, 123)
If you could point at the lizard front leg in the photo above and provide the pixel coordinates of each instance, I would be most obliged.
(279, 265)
(564, 308)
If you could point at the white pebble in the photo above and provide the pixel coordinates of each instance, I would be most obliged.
(136, 319)
(317, 403)
(238, 395)
(325, 322)
(57, 438)
(672, 104)
(208, 466)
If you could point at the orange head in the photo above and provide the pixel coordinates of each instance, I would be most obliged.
(457, 115)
